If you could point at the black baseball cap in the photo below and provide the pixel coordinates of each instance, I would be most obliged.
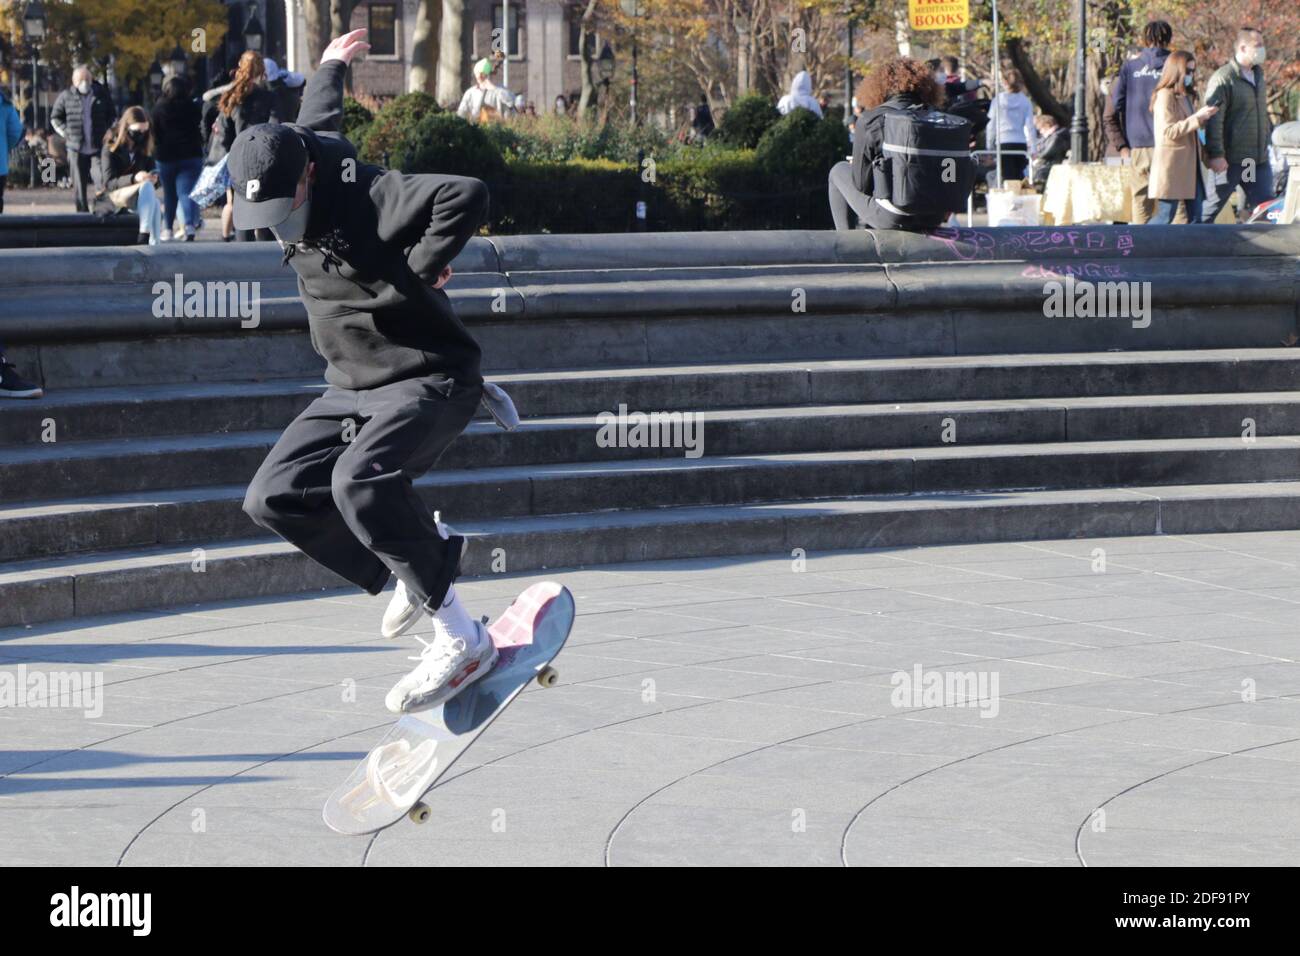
(265, 164)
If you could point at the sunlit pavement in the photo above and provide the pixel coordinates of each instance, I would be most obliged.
(1101, 702)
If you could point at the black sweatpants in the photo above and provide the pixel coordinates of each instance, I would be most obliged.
(349, 504)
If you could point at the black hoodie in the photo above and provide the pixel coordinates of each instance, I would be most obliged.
(375, 241)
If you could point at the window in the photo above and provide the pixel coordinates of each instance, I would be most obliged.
(574, 16)
(383, 29)
(515, 50)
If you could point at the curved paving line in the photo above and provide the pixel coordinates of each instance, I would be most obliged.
(1078, 833)
(588, 730)
(139, 833)
(609, 840)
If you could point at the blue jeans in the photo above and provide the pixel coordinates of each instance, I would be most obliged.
(177, 178)
(1166, 209)
(149, 210)
(1259, 190)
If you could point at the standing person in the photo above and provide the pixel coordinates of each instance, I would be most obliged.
(1012, 117)
(561, 105)
(178, 146)
(485, 102)
(1236, 138)
(372, 250)
(702, 125)
(130, 181)
(800, 96)
(1176, 160)
(11, 134)
(247, 103)
(286, 86)
(83, 114)
(1128, 124)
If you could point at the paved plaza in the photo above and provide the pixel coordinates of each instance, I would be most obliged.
(1108, 702)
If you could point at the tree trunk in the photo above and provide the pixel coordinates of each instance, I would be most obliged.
(316, 17)
(341, 23)
(587, 45)
(1038, 90)
(422, 77)
(453, 52)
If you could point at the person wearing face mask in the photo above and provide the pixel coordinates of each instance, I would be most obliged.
(83, 115)
(1176, 165)
(1236, 138)
(372, 250)
(130, 182)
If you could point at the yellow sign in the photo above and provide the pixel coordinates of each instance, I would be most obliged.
(938, 14)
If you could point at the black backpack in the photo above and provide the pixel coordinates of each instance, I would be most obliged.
(925, 167)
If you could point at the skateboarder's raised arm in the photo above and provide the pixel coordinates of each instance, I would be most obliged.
(430, 216)
(322, 102)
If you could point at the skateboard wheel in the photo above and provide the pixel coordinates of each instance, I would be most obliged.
(548, 676)
(419, 813)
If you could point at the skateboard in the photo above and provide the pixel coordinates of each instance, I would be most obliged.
(408, 762)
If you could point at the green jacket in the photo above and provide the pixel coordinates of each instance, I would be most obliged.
(1240, 129)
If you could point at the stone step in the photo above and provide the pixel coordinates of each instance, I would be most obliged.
(208, 514)
(83, 414)
(116, 581)
(66, 469)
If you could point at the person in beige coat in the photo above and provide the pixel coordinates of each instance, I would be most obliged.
(1176, 162)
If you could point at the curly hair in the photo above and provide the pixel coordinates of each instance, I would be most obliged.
(901, 74)
(251, 69)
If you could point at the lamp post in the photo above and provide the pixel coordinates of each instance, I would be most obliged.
(1079, 122)
(34, 33)
(848, 74)
(605, 70)
(176, 61)
(633, 9)
(253, 33)
(155, 79)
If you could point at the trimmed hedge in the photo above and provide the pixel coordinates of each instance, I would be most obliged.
(552, 175)
(745, 123)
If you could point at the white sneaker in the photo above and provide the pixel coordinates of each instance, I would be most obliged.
(165, 235)
(401, 613)
(447, 665)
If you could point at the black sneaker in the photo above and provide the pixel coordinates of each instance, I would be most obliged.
(11, 386)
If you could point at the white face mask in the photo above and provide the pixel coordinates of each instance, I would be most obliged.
(1187, 81)
(295, 227)
(83, 87)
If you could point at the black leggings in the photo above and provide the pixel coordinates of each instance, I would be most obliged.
(2, 197)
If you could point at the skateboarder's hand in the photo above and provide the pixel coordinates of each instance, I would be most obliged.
(443, 277)
(346, 47)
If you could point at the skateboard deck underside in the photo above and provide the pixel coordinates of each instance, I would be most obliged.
(421, 746)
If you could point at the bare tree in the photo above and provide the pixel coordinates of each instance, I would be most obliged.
(454, 51)
(422, 77)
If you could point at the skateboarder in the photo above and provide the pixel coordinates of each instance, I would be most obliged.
(372, 250)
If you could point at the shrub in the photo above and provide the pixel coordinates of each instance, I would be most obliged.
(445, 143)
(580, 195)
(557, 139)
(745, 123)
(356, 120)
(801, 144)
(394, 125)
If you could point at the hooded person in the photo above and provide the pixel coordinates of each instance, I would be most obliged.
(286, 86)
(800, 96)
(485, 101)
(372, 250)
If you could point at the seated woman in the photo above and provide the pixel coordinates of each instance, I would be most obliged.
(1053, 147)
(129, 178)
(911, 166)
